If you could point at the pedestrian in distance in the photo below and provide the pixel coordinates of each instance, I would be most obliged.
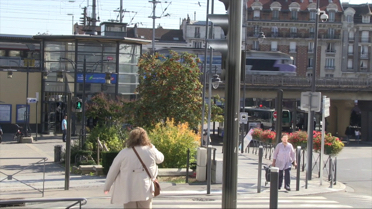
(131, 183)
(283, 157)
(64, 128)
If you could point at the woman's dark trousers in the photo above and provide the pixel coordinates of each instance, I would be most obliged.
(287, 178)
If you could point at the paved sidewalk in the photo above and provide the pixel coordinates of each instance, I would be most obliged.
(91, 187)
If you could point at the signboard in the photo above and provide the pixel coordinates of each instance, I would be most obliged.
(5, 113)
(315, 101)
(275, 114)
(326, 105)
(110, 58)
(31, 100)
(96, 78)
(21, 112)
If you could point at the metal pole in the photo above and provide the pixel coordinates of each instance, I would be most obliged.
(279, 115)
(83, 101)
(209, 149)
(322, 146)
(335, 177)
(232, 96)
(260, 154)
(274, 184)
(36, 122)
(209, 135)
(121, 11)
(311, 115)
(187, 165)
(330, 172)
(68, 145)
(298, 156)
(27, 112)
(205, 73)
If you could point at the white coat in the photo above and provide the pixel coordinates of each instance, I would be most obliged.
(130, 181)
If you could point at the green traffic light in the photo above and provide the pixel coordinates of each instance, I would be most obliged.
(78, 105)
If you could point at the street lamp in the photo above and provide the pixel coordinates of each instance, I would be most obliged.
(324, 17)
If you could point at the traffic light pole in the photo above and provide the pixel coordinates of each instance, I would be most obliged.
(68, 144)
(232, 96)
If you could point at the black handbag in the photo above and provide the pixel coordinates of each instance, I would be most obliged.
(156, 183)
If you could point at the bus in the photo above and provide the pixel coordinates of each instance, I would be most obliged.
(266, 117)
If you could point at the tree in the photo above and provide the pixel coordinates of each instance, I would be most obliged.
(169, 87)
(105, 109)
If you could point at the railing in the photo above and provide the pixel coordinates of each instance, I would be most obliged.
(17, 202)
(292, 81)
(11, 176)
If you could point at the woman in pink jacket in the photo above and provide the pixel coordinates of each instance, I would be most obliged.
(131, 184)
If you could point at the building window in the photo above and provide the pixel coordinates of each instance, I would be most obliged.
(351, 35)
(350, 64)
(311, 32)
(293, 32)
(310, 47)
(197, 44)
(363, 64)
(366, 19)
(310, 62)
(274, 32)
(331, 16)
(256, 14)
(275, 14)
(292, 47)
(331, 33)
(256, 30)
(294, 14)
(255, 45)
(330, 63)
(329, 75)
(2, 53)
(274, 46)
(197, 32)
(330, 47)
(365, 36)
(349, 18)
(312, 15)
(350, 49)
(364, 51)
(309, 75)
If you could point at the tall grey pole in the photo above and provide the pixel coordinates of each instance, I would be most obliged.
(83, 101)
(204, 73)
(121, 11)
(27, 111)
(36, 121)
(209, 133)
(154, 2)
(232, 96)
(311, 115)
(94, 20)
(68, 144)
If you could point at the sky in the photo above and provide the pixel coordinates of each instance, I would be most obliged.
(56, 17)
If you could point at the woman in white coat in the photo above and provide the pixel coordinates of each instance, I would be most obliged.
(131, 184)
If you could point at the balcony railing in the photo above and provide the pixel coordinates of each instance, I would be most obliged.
(364, 40)
(364, 56)
(351, 38)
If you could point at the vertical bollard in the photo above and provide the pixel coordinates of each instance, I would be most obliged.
(187, 165)
(274, 184)
(303, 160)
(209, 169)
(334, 179)
(330, 172)
(260, 154)
(298, 160)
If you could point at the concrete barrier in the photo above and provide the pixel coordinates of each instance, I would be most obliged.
(26, 139)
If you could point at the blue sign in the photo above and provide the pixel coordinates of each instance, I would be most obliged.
(95, 78)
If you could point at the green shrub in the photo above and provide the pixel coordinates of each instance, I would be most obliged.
(113, 136)
(173, 141)
(107, 159)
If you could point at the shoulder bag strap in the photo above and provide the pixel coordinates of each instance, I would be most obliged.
(144, 166)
